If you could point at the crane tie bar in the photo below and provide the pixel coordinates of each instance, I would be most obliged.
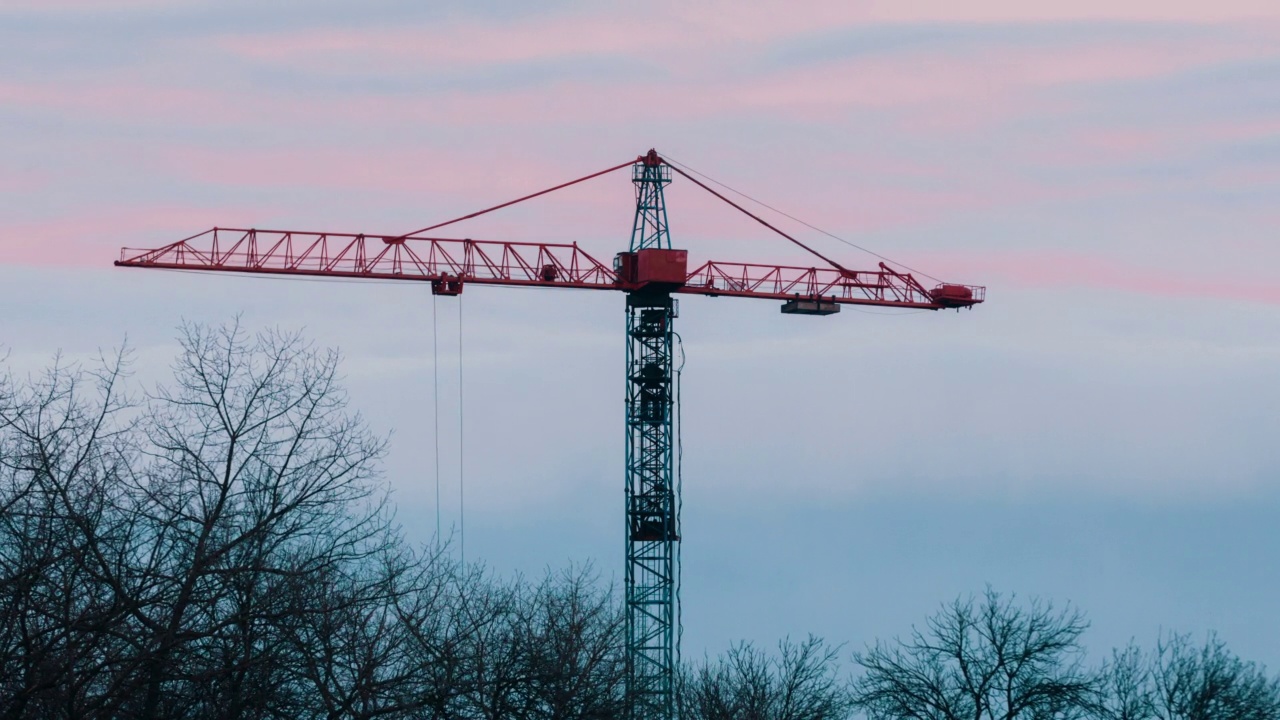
(843, 270)
(513, 202)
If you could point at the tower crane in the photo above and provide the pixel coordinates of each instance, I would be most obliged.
(652, 274)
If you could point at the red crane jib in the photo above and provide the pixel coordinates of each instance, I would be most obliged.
(450, 263)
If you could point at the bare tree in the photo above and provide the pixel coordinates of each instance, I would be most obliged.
(574, 633)
(222, 547)
(64, 444)
(550, 651)
(1185, 681)
(988, 659)
(151, 553)
(798, 683)
(255, 473)
(1125, 689)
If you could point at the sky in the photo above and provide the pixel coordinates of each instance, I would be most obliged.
(1100, 432)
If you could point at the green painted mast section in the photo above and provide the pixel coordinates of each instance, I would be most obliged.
(652, 502)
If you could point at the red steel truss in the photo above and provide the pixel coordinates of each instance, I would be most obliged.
(450, 263)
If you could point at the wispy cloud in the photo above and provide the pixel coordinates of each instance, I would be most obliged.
(1064, 272)
(94, 236)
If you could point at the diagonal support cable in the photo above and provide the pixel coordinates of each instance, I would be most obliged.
(672, 161)
(517, 200)
(843, 270)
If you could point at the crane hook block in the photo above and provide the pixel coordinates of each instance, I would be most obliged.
(810, 306)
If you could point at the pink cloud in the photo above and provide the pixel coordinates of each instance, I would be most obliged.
(1117, 144)
(458, 179)
(18, 181)
(929, 89)
(414, 49)
(1018, 11)
(963, 89)
(670, 32)
(660, 34)
(156, 103)
(143, 102)
(1063, 270)
(414, 170)
(988, 77)
(95, 236)
(72, 6)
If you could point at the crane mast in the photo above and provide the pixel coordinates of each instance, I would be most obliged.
(651, 273)
(652, 501)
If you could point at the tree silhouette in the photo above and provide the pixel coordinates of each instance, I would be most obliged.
(800, 682)
(221, 546)
(1184, 681)
(984, 659)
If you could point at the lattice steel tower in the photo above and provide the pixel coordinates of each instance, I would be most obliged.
(651, 493)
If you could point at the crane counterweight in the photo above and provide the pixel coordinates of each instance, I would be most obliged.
(957, 296)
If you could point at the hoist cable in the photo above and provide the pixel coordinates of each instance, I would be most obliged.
(462, 498)
(679, 471)
(435, 397)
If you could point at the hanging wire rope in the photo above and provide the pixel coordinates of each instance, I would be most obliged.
(679, 498)
(435, 397)
(682, 166)
(462, 497)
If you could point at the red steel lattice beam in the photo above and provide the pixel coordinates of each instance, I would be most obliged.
(390, 257)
